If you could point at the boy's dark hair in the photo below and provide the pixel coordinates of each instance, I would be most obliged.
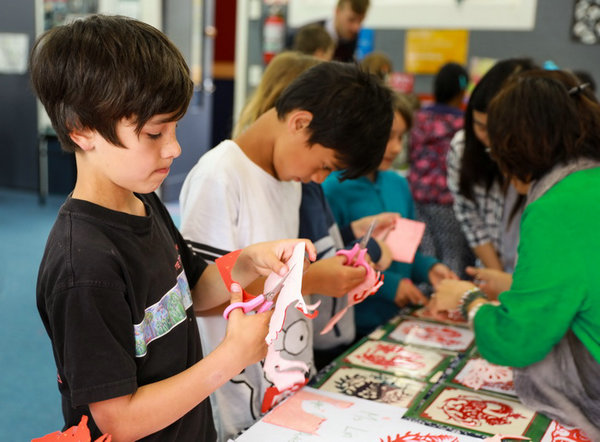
(477, 167)
(450, 81)
(351, 109)
(358, 6)
(312, 38)
(542, 119)
(96, 71)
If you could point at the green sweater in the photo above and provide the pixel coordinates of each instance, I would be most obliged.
(556, 283)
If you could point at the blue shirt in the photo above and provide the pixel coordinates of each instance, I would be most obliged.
(353, 199)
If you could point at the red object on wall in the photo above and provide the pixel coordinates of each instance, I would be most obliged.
(225, 13)
(273, 35)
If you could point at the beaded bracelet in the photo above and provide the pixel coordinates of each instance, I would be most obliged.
(467, 298)
(473, 312)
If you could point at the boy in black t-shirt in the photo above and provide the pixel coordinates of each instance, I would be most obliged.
(117, 286)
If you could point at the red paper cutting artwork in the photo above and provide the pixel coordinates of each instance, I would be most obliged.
(481, 373)
(290, 414)
(418, 437)
(390, 356)
(473, 411)
(557, 433)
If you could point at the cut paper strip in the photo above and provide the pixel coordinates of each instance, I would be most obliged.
(291, 293)
(395, 358)
(479, 373)
(559, 433)
(374, 386)
(372, 282)
(291, 414)
(429, 334)
(404, 239)
(479, 412)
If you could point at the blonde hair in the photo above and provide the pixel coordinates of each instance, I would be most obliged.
(377, 63)
(280, 72)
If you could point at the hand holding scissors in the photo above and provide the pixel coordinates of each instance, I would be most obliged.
(356, 255)
(261, 302)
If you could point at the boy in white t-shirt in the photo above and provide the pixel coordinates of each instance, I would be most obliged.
(249, 189)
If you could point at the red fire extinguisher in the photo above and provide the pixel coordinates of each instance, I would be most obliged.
(273, 34)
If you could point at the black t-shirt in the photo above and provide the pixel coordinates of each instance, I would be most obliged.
(116, 303)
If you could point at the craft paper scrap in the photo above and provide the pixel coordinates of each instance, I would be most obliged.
(374, 386)
(558, 433)
(396, 358)
(409, 431)
(291, 293)
(479, 373)
(404, 239)
(479, 412)
(291, 413)
(430, 334)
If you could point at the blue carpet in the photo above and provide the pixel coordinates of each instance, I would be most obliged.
(29, 395)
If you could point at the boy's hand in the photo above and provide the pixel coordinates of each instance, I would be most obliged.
(439, 272)
(492, 282)
(408, 293)
(385, 222)
(246, 333)
(266, 257)
(331, 277)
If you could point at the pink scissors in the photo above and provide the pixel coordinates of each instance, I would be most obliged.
(262, 302)
(356, 255)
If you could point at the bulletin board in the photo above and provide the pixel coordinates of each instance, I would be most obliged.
(449, 14)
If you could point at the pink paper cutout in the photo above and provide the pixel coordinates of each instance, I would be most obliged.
(291, 293)
(404, 239)
(483, 373)
(283, 373)
(372, 282)
(290, 414)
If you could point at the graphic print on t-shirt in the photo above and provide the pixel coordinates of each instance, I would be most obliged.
(161, 317)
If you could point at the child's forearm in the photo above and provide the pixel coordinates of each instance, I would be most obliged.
(155, 406)
(210, 291)
(489, 257)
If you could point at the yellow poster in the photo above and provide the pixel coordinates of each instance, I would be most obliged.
(427, 50)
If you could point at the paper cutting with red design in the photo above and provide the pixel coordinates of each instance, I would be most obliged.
(290, 414)
(481, 374)
(396, 358)
(475, 411)
(429, 334)
(559, 433)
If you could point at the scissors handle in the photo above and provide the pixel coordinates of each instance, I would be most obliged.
(246, 306)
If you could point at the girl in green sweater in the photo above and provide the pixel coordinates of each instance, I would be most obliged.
(545, 135)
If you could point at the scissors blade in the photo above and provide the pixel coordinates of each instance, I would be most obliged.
(275, 290)
(365, 239)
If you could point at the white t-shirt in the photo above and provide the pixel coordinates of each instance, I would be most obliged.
(227, 203)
